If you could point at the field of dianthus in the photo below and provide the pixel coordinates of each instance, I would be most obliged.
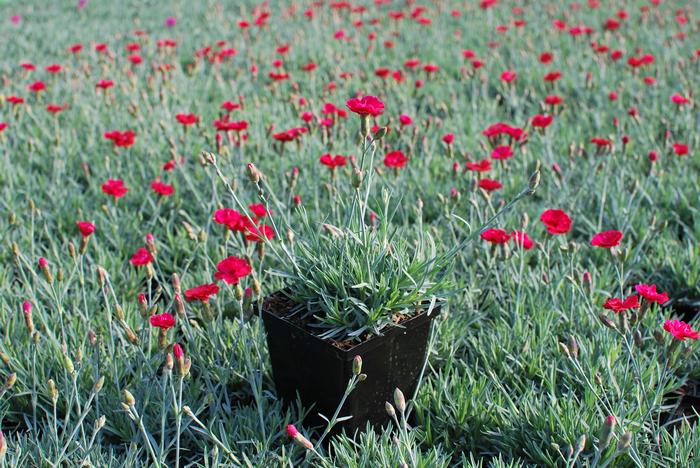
(158, 160)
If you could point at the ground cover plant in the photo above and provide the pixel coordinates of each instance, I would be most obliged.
(150, 152)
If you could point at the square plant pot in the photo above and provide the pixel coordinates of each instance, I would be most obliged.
(318, 371)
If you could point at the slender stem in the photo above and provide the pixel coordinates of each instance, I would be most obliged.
(135, 414)
(78, 425)
(178, 423)
(348, 390)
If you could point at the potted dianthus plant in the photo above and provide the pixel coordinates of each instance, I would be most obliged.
(358, 300)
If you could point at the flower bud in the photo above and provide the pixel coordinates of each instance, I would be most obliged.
(185, 371)
(209, 157)
(357, 177)
(606, 433)
(298, 438)
(100, 423)
(28, 321)
(177, 288)
(53, 391)
(169, 364)
(68, 363)
(129, 398)
(118, 312)
(606, 321)
(98, 385)
(624, 443)
(357, 365)
(44, 266)
(389, 409)
(534, 182)
(573, 347)
(253, 173)
(3, 447)
(92, 337)
(179, 305)
(379, 134)
(565, 350)
(399, 400)
(10, 381)
(71, 250)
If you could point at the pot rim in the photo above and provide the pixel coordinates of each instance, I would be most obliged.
(364, 346)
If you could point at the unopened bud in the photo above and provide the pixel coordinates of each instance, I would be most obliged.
(176, 284)
(624, 443)
(357, 177)
(399, 400)
(169, 363)
(379, 134)
(68, 362)
(606, 433)
(44, 267)
(10, 381)
(100, 423)
(185, 370)
(209, 157)
(253, 173)
(129, 398)
(534, 182)
(389, 409)
(53, 391)
(98, 385)
(606, 321)
(357, 365)
(101, 275)
(179, 305)
(29, 322)
(573, 347)
(565, 350)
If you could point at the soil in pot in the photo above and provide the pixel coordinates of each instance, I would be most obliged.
(317, 370)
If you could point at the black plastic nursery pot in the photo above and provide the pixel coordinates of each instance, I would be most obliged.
(318, 371)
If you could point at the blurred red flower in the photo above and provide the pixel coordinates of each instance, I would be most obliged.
(141, 257)
(521, 239)
(619, 305)
(495, 236)
(680, 330)
(163, 321)
(607, 239)
(648, 292)
(395, 159)
(86, 228)
(201, 293)
(115, 188)
(556, 221)
(368, 105)
(232, 269)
